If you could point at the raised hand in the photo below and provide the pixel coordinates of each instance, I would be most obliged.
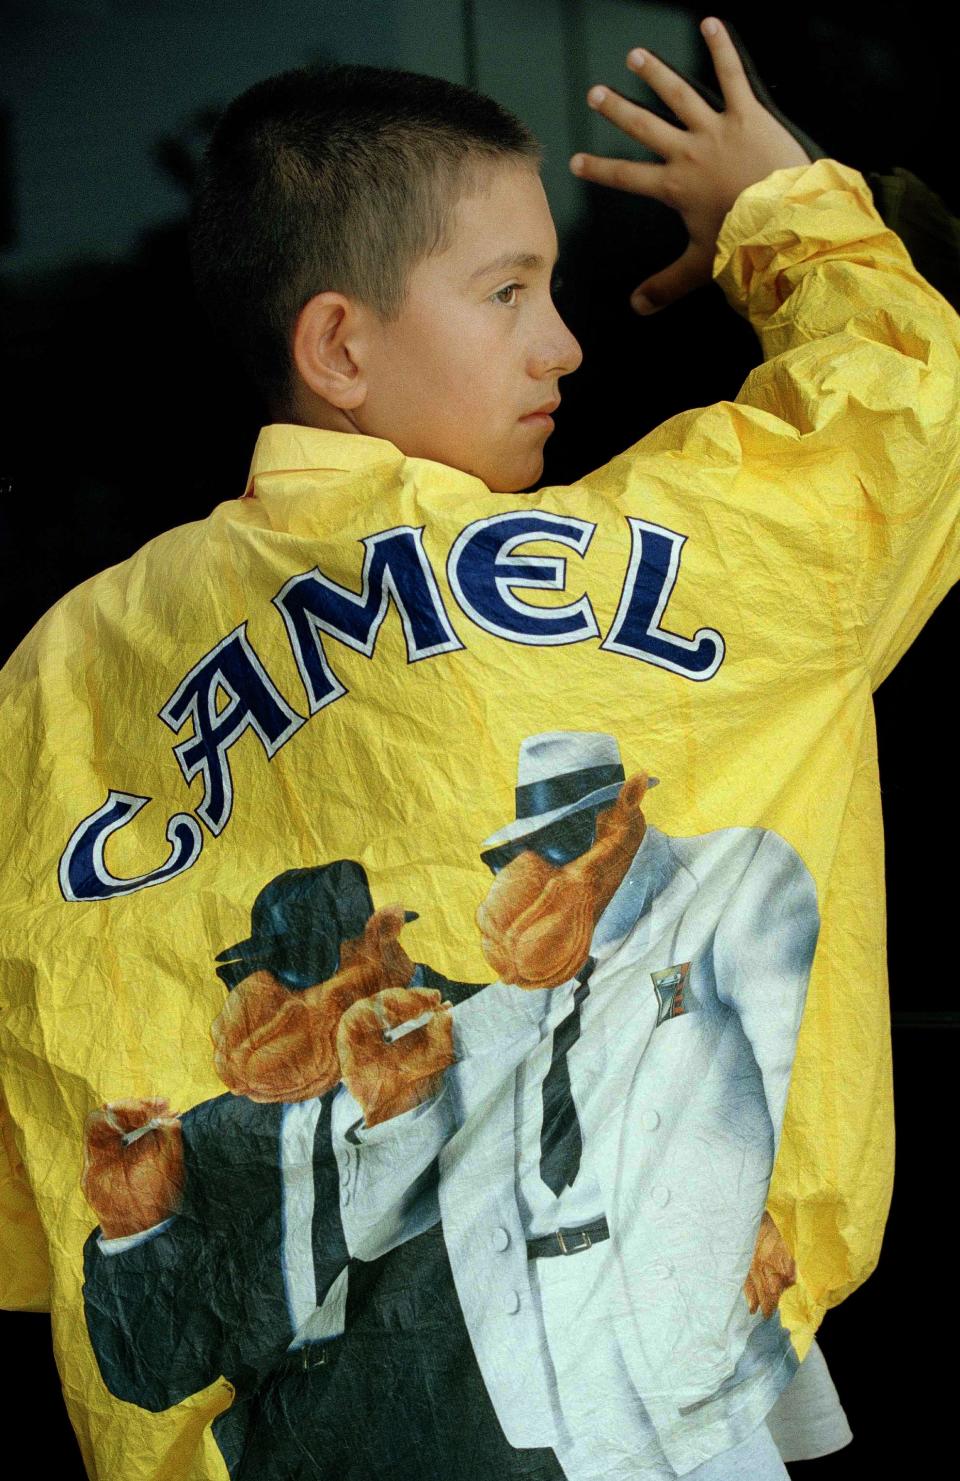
(132, 1182)
(389, 1078)
(538, 918)
(709, 158)
(272, 1043)
(772, 1269)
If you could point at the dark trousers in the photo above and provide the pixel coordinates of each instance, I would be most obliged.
(398, 1397)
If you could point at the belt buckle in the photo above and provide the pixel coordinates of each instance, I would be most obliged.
(313, 1359)
(575, 1249)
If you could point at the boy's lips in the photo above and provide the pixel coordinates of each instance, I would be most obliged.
(542, 413)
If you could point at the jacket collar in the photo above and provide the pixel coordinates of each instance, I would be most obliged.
(286, 448)
(655, 884)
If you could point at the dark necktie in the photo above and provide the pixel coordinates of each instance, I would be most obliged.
(561, 1143)
(330, 1253)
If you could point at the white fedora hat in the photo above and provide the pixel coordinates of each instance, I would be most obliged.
(562, 772)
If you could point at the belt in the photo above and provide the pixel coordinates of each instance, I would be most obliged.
(310, 1355)
(568, 1241)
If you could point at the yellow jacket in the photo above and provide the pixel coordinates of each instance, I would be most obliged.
(722, 598)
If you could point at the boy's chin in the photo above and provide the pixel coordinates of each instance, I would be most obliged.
(513, 480)
(508, 474)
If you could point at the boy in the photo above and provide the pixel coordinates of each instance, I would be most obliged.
(726, 594)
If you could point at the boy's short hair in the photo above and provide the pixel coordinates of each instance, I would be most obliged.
(333, 178)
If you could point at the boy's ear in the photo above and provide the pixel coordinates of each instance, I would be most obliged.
(326, 339)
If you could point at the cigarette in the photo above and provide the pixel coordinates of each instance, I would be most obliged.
(129, 1137)
(391, 1035)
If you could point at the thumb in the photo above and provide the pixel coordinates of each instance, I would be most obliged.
(691, 270)
(123, 1116)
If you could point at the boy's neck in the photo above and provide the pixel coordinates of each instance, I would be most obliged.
(306, 409)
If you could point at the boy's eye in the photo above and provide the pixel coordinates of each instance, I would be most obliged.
(510, 295)
(510, 302)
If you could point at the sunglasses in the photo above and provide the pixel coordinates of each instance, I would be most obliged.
(558, 844)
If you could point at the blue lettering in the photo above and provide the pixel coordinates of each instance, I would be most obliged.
(232, 670)
(83, 871)
(395, 565)
(484, 574)
(636, 631)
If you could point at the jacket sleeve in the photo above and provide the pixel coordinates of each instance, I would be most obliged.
(857, 399)
(166, 1311)
(390, 1194)
(24, 1265)
(762, 954)
(157, 1334)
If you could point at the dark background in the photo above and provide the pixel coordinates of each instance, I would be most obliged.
(122, 417)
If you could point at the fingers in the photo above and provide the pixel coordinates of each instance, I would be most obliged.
(121, 1116)
(369, 1017)
(734, 85)
(361, 1023)
(772, 1270)
(621, 174)
(691, 270)
(109, 1163)
(402, 1003)
(674, 90)
(777, 1280)
(101, 1135)
(639, 123)
(761, 1292)
(768, 1291)
(382, 1076)
(684, 100)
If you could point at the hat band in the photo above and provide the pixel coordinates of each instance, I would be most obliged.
(536, 798)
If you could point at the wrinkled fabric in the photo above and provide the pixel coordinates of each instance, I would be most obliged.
(374, 659)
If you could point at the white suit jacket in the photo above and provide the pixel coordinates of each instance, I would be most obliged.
(686, 1119)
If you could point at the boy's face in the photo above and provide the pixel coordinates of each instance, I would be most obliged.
(479, 344)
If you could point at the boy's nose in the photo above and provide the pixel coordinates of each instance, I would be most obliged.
(575, 354)
(559, 352)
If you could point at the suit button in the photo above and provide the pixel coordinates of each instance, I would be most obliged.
(500, 1239)
(345, 1195)
(660, 1196)
(345, 1176)
(511, 1302)
(650, 1120)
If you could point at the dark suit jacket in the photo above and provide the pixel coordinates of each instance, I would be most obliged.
(205, 1297)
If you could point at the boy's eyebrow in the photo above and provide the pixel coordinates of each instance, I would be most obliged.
(532, 261)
